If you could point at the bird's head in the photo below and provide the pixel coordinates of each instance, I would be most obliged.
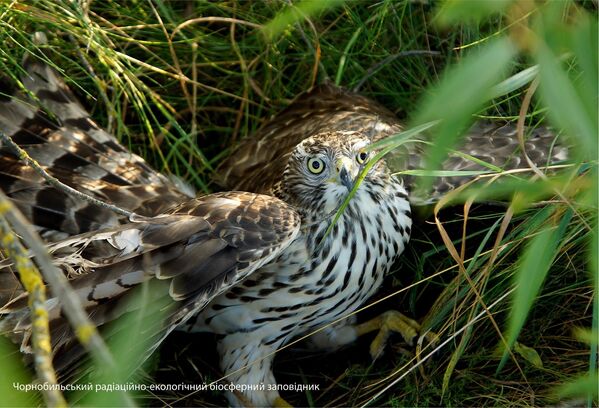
(323, 169)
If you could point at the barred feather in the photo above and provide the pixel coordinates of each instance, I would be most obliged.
(199, 250)
(257, 162)
(58, 133)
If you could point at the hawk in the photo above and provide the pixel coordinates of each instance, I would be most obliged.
(258, 264)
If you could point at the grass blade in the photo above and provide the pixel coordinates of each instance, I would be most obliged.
(455, 11)
(530, 276)
(460, 94)
(14, 373)
(566, 107)
(294, 14)
(594, 267)
(581, 386)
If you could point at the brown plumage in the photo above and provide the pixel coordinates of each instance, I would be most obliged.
(257, 268)
(257, 161)
(59, 134)
(196, 248)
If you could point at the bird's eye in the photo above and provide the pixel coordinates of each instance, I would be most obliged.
(315, 165)
(362, 156)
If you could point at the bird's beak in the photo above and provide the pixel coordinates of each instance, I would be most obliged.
(347, 172)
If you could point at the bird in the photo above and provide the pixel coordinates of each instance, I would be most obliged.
(269, 258)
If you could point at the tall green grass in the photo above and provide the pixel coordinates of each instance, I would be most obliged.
(182, 82)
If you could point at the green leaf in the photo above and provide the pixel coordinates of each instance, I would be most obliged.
(296, 13)
(566, 107)
(13, 373)
(594, 269)
(585, 335)
(530, 276)
(461, 93)
(443, 173)
(514, 82)
(467, 85)
(581, 387)
(131, 339)
(455, 11)
(529, 354)
(403, 136)
(584, 43)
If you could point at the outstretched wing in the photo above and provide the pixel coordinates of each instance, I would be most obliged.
(59, 134)
(258, 162)
(495, 144)
(192, 255)
(187, 253)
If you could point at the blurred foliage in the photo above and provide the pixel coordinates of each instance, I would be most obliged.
(13, 375)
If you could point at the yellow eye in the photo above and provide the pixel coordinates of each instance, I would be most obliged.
(362, 156)
(315, 165)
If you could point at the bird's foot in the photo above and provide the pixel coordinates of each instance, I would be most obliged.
(392, 321)
(281, 403)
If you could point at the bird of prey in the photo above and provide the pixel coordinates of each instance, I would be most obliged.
(260, 263)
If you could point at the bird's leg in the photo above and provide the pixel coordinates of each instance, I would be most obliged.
(388, 322)
(247, 366)
(347, 331)
(334, 336)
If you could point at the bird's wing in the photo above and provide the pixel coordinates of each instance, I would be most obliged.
(493, 143)
(189, 256)
(55, 130)
(258, 161)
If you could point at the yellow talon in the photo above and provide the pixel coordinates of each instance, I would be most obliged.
(391, 321)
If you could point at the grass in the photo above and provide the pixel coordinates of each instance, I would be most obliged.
(182, 82)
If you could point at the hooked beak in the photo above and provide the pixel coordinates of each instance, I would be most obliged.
(346, 173)
(346, 179)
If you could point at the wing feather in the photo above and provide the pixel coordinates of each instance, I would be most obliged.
(193, 254)
(490, 142)
(258, 162)
(56, 131)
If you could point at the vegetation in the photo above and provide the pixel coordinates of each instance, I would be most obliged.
(511, 290)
